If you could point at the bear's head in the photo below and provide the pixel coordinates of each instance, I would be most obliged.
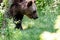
(28, 7)
(19, 8)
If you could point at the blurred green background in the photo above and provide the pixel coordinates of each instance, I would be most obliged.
(46, 27)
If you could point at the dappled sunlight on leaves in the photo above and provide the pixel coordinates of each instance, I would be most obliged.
(46, 36)
(27, 25)
(57, 22)
(52, 36)
(49, 36)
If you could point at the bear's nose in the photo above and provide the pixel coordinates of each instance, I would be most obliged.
(34, 11)
(35, 17)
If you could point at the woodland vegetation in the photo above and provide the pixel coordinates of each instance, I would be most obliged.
(46, 27)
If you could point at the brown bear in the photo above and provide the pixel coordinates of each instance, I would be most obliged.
(19, 8)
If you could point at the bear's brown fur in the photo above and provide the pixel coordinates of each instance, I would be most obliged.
(19, 8)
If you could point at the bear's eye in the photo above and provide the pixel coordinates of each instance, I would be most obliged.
(21, 0)
(34, 1)
(29, 4)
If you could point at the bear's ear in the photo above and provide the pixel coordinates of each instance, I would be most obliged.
(29, 4)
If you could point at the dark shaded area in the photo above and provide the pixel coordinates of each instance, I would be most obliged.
(1, 1)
